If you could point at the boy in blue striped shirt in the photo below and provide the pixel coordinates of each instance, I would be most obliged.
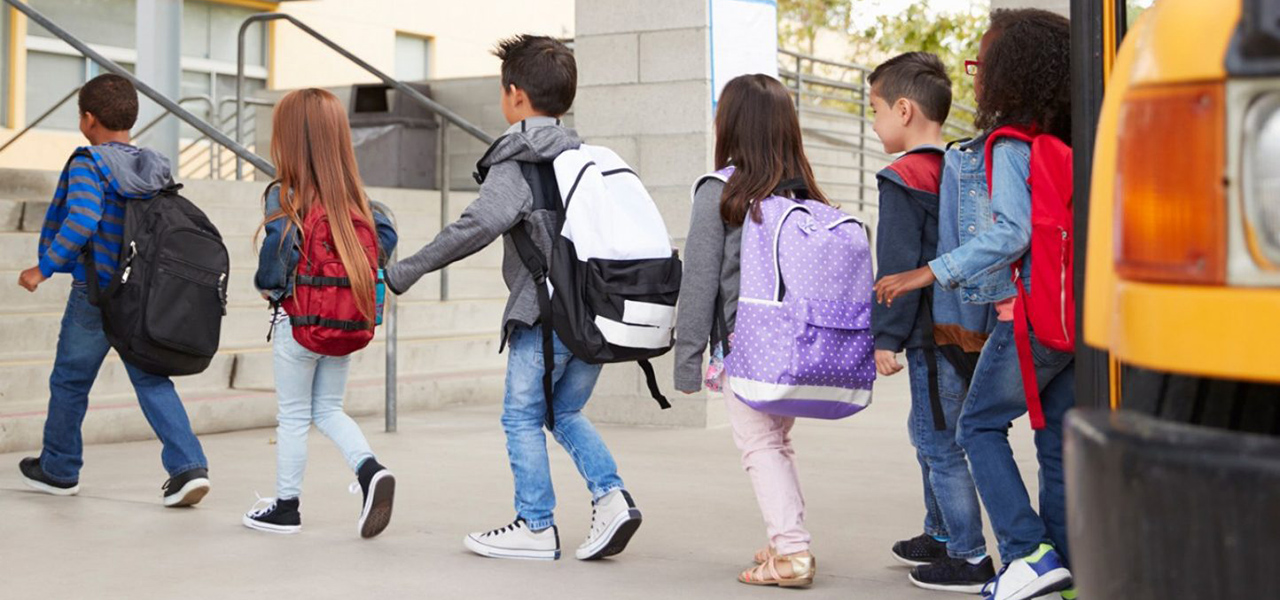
(87, 215)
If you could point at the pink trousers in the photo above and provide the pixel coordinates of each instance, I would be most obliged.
(768, 458)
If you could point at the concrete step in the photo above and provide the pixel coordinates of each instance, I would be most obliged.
(24, 385)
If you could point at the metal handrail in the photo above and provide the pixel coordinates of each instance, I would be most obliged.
(199, 124)
(41, 118)
(160, 117)
(400, 86)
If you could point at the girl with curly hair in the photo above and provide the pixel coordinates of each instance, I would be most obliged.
(1023, 78)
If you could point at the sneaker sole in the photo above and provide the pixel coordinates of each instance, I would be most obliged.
(962, 588)
(41, 486)
(269, 527)
(616, 538)
(907, 561)
(1051, 582)
(486, 550)
(377, 507)
(190, 495)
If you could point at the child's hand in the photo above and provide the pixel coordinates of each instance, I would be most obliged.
(893, 286)
(31, 279)
(887, 362)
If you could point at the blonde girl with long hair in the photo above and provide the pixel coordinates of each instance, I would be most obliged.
(317, 177)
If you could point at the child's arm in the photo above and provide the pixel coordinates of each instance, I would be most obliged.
(504, 201)
(994, 249)
(84, 204)
(387, 236)
(271, 280)
(1010, 237)
(699, 285)
(899, 248)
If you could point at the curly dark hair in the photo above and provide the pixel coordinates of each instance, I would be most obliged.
(1026, 72)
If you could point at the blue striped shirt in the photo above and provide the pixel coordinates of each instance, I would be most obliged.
(85, 210)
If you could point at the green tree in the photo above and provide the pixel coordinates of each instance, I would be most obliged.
(954, 37)
(800, 21)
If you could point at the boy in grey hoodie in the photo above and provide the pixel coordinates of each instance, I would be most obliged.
(539, 81)
(87, 215)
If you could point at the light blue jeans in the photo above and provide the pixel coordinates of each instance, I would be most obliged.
(310, 388)
(524, 411)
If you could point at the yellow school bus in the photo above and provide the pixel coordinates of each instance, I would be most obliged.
(1173, 479)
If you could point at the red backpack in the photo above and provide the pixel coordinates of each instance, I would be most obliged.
(1050, 308)
(322, 308)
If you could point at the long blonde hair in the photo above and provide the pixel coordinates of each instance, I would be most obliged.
(315, 162)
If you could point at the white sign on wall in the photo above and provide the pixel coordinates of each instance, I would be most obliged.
(744, 40)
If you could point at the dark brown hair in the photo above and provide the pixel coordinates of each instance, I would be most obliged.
(917, 76)
(758, 133)
(112, 100)
(1026, 72)
(541, 66)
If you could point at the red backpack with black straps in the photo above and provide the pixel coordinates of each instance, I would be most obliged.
(323, 308)
(1049, 310)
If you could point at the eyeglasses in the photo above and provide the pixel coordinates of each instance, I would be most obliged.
(971, 67)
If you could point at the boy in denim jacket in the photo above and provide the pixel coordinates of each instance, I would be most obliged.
(911, 96)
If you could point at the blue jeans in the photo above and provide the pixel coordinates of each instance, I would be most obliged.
(524, 410)
(82, 346)
(951, 504)
(995, 399)
(310, 388)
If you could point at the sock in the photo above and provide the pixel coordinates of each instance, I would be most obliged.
(977, 560)
(1039, 553)
(940, 538)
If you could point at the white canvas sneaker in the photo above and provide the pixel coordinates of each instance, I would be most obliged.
(614, 519)
(516, 541)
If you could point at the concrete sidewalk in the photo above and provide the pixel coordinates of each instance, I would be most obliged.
(701, 521)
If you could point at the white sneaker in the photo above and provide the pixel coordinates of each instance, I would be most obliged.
(614, 519)
(1037, 575)
(516, 541)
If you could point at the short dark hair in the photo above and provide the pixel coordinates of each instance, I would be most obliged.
(112, 100)
(1026, 72)
(541, 66)
(919, 77)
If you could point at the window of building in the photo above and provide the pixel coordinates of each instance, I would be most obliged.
(209, 39)
(413, 57)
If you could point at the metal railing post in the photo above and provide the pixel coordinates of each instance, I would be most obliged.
(442, 163)
(799, 82)
(862, 147)
(391, 309)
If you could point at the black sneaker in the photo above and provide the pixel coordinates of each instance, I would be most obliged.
(274, 516)
(953, 575)
(35, 478)
(187, 488)
(378, 487)
(919, 550)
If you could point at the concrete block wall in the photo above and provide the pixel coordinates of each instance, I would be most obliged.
(644, 90)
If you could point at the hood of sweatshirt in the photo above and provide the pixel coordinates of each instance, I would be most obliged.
(132, 172)
(539, 139)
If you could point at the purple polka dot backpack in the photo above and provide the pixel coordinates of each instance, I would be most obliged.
(802, 343)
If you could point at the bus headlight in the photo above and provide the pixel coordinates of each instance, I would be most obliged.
(1261, 180)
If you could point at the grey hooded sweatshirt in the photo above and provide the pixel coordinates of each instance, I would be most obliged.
(505, 201)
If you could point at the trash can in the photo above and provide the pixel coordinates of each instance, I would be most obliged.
(395, 138)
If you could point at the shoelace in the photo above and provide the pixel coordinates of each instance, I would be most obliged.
(255, 512)
(990, 588)
(511, 527)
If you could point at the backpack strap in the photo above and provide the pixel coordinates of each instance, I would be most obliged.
(1026, 362)
(1017, 132)
(931, 360)
(542, 184)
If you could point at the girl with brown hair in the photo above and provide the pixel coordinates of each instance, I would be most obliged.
(319, 260)
(758, 134)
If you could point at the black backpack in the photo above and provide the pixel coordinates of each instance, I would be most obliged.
(598, 301)
(163, 309)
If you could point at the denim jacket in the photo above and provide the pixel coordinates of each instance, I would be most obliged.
(276, 268)
(993, 232)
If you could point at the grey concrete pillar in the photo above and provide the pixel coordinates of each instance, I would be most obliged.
(644, 90)
(159, 42)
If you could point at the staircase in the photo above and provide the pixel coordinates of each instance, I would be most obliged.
(448, 351)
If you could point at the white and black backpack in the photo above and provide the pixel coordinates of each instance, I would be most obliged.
(610, 289)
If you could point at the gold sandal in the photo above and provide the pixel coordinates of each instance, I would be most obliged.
(764, 554)
(803, 568)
